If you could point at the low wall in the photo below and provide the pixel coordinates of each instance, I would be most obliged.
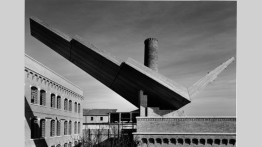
(187, 124)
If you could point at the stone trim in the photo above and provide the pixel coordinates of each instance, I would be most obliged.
(186, 118)
(187, 141)
(171, 133)
(51, 83)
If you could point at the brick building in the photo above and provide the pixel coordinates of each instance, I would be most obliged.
(158, 98)
(186, 131)
(53, 113)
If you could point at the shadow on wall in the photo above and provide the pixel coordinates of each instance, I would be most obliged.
(34, 127)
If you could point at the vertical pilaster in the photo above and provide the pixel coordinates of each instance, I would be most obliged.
(143, 103)
(38, 95)
(130, 119)
(119, 117)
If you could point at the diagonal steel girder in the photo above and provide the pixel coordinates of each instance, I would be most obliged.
(124, 77)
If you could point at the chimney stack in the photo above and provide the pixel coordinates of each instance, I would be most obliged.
(151, 53)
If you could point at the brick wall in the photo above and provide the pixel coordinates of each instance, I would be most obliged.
(185, 140)
(187, 124)
(50, 83)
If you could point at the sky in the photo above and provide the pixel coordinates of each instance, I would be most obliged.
(194, 38)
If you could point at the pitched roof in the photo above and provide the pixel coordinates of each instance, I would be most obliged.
(93, 112)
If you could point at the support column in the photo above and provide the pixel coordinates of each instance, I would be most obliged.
(151, 61)
(119, 117)
(130, 118)
(143, 103)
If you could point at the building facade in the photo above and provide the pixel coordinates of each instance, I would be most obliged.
(186, 131)
(96, 116)
(103, 118)
(53, 113)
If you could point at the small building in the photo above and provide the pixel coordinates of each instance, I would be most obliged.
(53, 114)
(97, 116)
(102, 126)
(102, 118)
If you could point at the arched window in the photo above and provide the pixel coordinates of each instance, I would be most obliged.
(42, 97)
(65, 128)
(165, 140)
(58, 145)
(209, 141)
(173, 140)
(58, 102)
(75, 107)
(144, 140)
(187, 141)
(34, 92)
(65, 104)
(70, 144)
(232, 141)
(78, 127)
(225, 141)
(217, 141)
(202, 141)
(52, 100)
(65, 145)
(70, 105)
(58, 130)
(70, 127)
(78, 107)
(42, 127)
(34, 128)
(151, 140)
(195, 141)
(159, 141)
(180, 140)
(52, 128)
(75, 127)
(76, 143)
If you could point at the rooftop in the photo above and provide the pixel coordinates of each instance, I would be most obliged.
(99, 112)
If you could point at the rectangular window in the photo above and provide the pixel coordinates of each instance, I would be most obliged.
(75, 127)
(92, 118)
(70, 105)
(65, 128)
(34, 127)
(65, 104)
(58, 129)
(78, 127)
(42, 127)
(34, 92)
(75, 107)
(42, 97)
(52, 101)
(70, 127)
(101, 118)
(52, 129)
(58, 102)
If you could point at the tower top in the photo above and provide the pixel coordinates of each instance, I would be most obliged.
(151, 53)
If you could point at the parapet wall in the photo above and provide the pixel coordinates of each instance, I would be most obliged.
(186, 124)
